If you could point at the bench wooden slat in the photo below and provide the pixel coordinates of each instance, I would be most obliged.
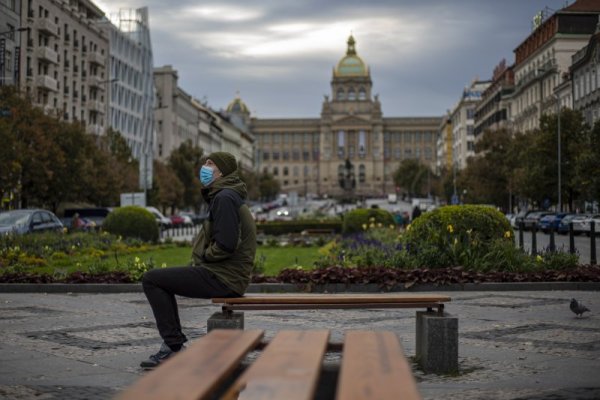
(374, 367)
(333, 299)
(289, 368)
(196, 372)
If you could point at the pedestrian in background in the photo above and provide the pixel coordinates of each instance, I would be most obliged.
(222, 255)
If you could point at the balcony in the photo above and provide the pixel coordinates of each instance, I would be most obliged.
(46, 83)
(96, 106)
(96, 82)
(96, 58)
(47, 54)
(47, 26)
(30, 43)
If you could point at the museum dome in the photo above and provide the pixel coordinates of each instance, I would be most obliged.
(237, 106)
(351, 64)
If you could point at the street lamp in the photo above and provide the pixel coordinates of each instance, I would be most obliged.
(559, 168)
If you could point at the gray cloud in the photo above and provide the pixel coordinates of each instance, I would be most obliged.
(280, 53)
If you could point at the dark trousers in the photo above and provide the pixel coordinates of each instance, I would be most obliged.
(161, 286)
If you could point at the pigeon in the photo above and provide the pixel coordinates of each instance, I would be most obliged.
(578, 308)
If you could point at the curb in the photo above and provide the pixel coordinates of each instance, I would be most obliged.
(293, 288)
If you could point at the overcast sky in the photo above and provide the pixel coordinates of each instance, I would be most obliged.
(279, 54)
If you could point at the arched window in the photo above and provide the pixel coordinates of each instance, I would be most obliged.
(340, 94)
(351, 94)
(341, 143)
(362, 94)
(362, 143)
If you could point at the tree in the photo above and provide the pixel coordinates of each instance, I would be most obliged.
(185, 161)
(251, 181)
(487, 174)
(169, 188)
(269, 187)
(412, 176)
(584, 177)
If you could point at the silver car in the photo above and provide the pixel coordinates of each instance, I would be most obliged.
(29, 221)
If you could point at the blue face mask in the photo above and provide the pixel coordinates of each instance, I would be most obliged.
(206, 175)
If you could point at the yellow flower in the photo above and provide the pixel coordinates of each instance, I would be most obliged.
(137, 260)
(372, 219)
(469, 231)
(455, 241)
(507, 234)
(163, 265)
(392, 226)
(450, 228)
(372, 225)
(539, 258)
(364, 226)
(379, 225)
(408, 227)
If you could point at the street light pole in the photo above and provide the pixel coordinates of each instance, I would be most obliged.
(559, 168)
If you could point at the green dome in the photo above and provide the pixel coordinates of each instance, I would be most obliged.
(351, 64)
(237, 106)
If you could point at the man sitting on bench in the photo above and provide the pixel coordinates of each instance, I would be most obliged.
(222, 255)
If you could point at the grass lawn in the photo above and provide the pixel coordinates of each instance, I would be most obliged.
(272, 259)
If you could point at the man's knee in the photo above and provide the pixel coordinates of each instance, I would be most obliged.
(149, 278)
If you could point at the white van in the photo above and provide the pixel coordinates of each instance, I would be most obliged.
(162, 221)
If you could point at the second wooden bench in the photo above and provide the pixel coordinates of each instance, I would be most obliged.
(373, 366)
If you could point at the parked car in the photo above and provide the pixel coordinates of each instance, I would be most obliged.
(586, 226)
(579, 223)
(197, 219)
(533, 218)
(181, 220)
(550, 222)
(563, 225)
(519, 218)
(29, 221)
(162, 221)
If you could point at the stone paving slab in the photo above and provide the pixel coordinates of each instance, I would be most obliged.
(512, 345)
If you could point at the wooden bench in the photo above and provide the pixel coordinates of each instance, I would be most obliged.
(331, 301)
(436, 332)
(373, 366)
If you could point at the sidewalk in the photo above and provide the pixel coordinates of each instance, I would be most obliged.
(513, 345)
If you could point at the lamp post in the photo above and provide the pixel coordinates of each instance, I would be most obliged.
(559, 155)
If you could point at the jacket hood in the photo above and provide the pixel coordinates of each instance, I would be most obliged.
(231, 181)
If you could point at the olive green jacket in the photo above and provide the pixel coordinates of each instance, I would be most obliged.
(226, 243)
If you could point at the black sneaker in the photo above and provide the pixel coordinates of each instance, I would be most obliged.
(155, 360)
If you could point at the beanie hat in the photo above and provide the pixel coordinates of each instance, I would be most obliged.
(225, 161)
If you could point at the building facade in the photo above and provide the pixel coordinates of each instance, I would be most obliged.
(491, 113)
(351, 144)
(585, 80)
(543, 58)
(445, 143)
(463, 123)
(132, 85)
(63, 66)
(10, 41)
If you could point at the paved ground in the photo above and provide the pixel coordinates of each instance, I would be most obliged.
(513, 345)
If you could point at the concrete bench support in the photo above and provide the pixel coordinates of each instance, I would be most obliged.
(221, 320)
(437, 342)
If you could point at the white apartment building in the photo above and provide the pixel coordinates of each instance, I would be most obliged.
(544, 57)
(10, 41)
(585, 75)
(463, 120)
(132, 85)
(63, 66)
(444, 144)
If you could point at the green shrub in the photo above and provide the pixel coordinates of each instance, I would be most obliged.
(361, 219)
(456, 235)
(132, 222)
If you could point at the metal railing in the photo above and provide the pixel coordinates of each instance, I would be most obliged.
(552, 244)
